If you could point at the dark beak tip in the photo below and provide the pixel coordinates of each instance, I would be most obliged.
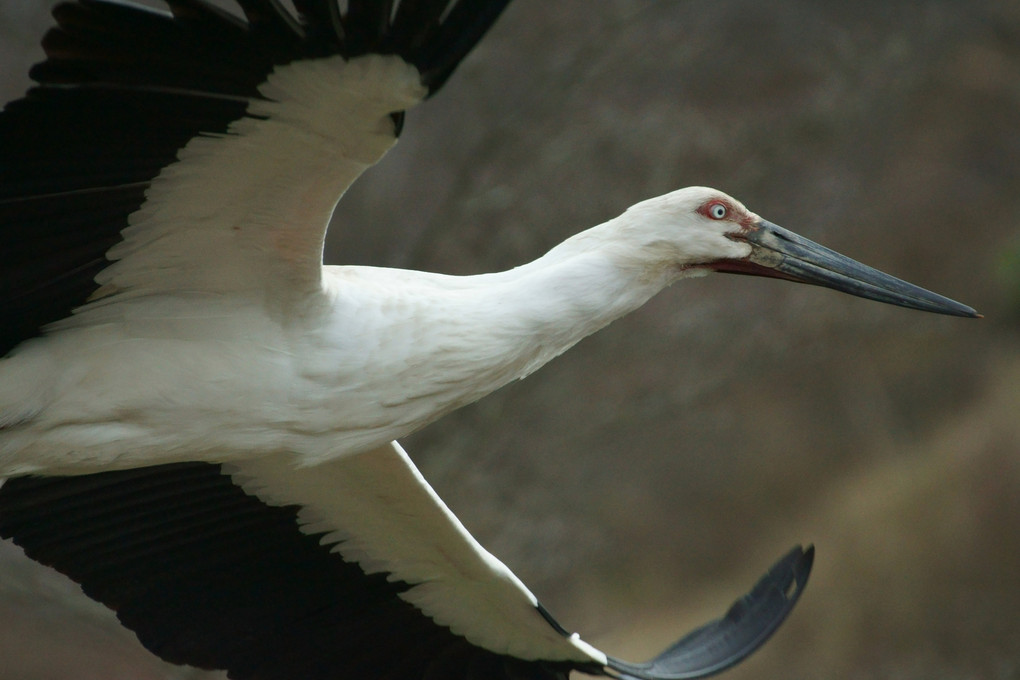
(963, 311)
(796, 258)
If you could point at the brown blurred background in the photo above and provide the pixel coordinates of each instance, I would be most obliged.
(646, 478)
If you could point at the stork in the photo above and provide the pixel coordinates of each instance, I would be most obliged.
(199, 420)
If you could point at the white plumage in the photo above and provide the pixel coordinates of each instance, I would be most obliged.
(210, 373)
(215, 338)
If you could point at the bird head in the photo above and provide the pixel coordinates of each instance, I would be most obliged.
(698, 230)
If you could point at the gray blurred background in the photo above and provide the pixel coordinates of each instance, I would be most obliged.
(645, 479)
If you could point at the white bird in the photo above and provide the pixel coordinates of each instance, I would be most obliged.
(199, 419)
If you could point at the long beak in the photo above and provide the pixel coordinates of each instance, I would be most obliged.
(779, 253)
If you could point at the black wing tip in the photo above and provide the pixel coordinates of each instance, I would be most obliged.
(746, 626)
(793, 569)
(125, 67)
(432, 36)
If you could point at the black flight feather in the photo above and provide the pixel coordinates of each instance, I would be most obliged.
(124, 88)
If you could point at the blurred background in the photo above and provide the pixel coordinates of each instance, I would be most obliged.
(645, 479)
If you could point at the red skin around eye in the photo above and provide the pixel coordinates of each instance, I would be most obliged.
(706, 209)
(733, 214)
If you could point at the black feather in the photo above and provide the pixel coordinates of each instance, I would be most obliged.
(211, 577)
(124, 88)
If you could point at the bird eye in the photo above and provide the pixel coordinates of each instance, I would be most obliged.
(717, 211)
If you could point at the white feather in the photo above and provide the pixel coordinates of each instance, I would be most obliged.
(375, 508)
(368, 357)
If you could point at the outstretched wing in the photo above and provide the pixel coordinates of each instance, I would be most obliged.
(196, 152)
(353, 568)
(201, 151)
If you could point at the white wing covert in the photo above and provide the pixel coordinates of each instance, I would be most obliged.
(248, 209)
(196, 152)
(202, 151)
(274, 571)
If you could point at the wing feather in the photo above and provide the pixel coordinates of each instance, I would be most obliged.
(247, 209)
(136, 106)
(210, 576)
(350, 568)
(375, 508)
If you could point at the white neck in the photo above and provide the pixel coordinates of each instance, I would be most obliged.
(572, 291)
(445, 341)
